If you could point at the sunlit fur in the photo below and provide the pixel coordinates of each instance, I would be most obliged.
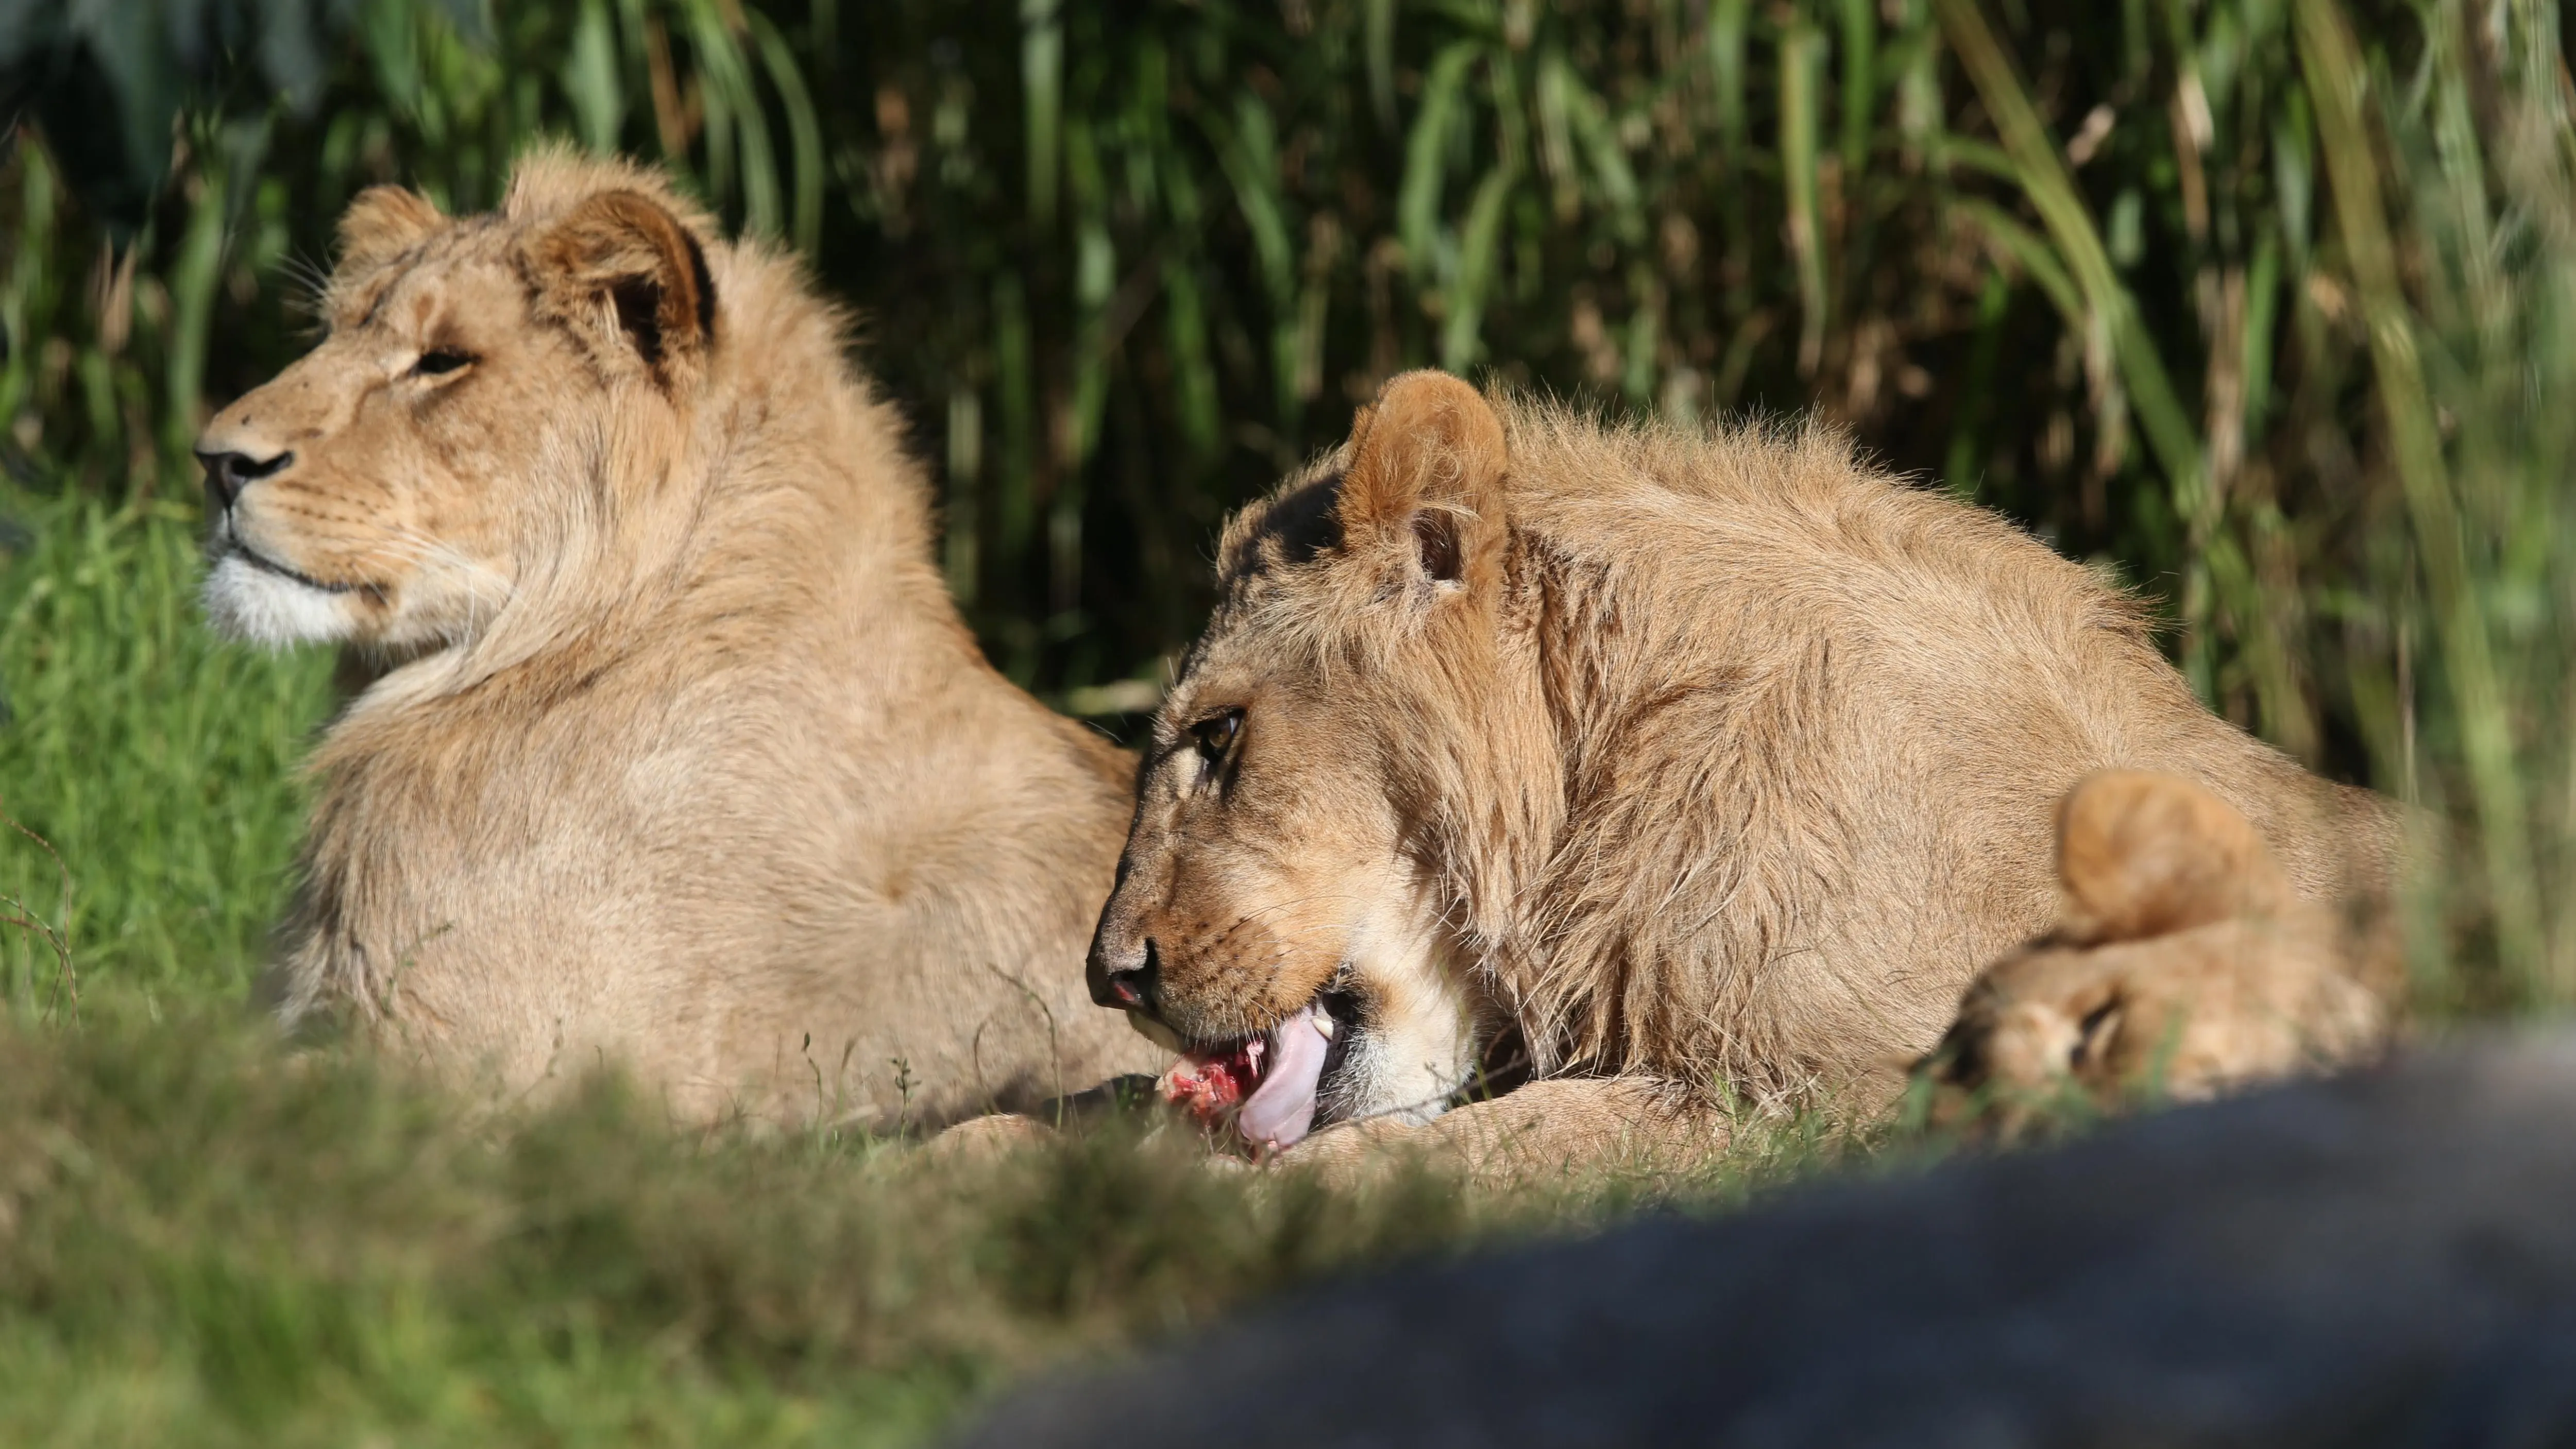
(683, 758)
(1713, 758)
(249, 602)
(2181, 960)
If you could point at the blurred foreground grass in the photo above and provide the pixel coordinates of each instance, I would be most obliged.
(203, 1243)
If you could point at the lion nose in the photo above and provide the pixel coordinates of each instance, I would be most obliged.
(227, 474)
(1129, 985)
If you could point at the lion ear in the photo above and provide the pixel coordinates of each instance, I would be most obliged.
(383, 223)
(1425, 478)
(633, 280)
(2141, 855)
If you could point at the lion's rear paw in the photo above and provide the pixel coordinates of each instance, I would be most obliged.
(2182, 966)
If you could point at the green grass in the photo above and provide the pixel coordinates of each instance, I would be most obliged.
(159, 762)
(203, 1242)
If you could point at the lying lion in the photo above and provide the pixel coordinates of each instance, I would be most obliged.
(682, 758)
(1675, 765)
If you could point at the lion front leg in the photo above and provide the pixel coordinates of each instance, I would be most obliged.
(1544, 1129)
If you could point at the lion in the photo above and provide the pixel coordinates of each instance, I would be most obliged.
(1671, 767)
(681, 758)
(2182, 963)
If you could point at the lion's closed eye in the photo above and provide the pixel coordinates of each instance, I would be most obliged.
(440, 361)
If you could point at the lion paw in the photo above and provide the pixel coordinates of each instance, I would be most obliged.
(988, 1139)
(2182, 966)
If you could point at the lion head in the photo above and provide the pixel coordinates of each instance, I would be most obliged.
(1279, 906)
(393, 487)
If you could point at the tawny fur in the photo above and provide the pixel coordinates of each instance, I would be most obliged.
(2183, 963)
(1713, 758)
(683, 759)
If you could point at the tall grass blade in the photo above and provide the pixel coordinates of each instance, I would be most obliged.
(2338, 82)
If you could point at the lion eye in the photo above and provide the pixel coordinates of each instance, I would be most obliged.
(439, 361)
(1215, 735)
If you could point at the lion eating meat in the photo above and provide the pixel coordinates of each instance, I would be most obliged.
(1673, 763)
(681, 757)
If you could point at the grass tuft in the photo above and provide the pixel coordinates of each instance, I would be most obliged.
(159, 761)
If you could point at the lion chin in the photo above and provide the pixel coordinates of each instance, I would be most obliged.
(251, 601)
(681, 761)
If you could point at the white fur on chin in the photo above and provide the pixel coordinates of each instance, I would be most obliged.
(248, 602)
(1418, 1045)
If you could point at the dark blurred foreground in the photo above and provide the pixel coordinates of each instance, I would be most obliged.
(2388, 1259)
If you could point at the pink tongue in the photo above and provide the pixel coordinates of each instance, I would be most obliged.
(1281, 1110)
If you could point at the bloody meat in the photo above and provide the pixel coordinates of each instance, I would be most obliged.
(1212, 1085)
